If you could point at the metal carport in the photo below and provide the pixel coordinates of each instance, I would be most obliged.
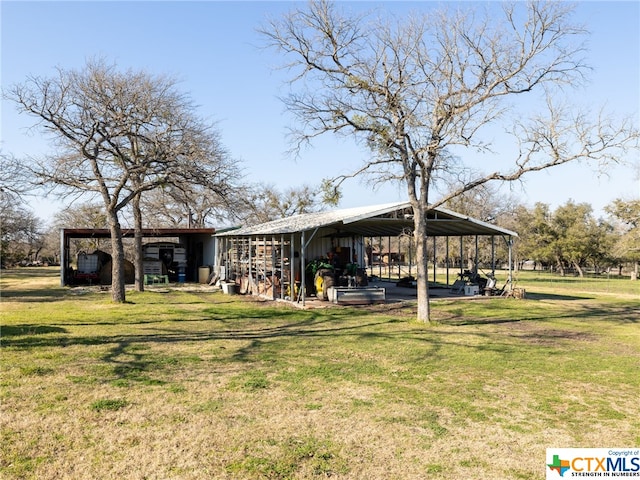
(262, 249)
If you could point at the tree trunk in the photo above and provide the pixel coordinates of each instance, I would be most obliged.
(420, 234)
(579, 269)
(560, 266)
(137, 244)
(117, 259)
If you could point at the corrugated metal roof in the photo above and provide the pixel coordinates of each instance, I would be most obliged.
(389, 219)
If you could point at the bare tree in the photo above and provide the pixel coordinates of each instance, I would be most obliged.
(186, 158)
(118, 135)
(173, 207)
(187, 206)
(84, 215)
(261, 203)
(415, 90)
(20, 235)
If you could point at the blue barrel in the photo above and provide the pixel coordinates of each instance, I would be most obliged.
(182, 276)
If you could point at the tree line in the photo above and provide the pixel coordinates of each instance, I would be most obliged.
(568, 240)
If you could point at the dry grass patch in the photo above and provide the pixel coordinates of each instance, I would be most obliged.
(199, 385)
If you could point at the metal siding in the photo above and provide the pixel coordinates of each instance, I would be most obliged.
(318, 248)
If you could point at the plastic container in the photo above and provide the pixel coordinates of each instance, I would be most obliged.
(203, 274)
(229, 288)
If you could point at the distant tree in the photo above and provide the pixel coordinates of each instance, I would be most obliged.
(262, 203)
(413, 90)
(86, 215)
(537, 239)
(602, 239)
(21, 234)
(487, 204)
(163, 208)
(118, 135)
(20, 229)
(187, 206)
(569, 237)
(627, 247)
(50, 252)
(580, 237)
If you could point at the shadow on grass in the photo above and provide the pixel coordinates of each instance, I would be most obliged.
(266, 332)
(274, 335)
(553, 296)
(131, 358)
(290, 325)
(28, 329)
(90, 293)
(35, 295)
(614, 314)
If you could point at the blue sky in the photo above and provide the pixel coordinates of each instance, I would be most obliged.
(214, 50)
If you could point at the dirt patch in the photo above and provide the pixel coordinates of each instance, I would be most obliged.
(398, 309)
(534, 334)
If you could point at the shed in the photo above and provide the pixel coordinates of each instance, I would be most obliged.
(273, 258)
(198, 243)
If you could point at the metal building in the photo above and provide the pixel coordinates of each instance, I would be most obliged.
(272, 259)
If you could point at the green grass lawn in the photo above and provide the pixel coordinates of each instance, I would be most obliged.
(194, 384)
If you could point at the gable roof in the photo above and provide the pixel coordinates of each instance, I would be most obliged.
(389, 219)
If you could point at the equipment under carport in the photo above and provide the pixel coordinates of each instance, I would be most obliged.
(326, 275)
(156, 279)
(88, 267)
(469, 283)
(165, 258)
(356, 295)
